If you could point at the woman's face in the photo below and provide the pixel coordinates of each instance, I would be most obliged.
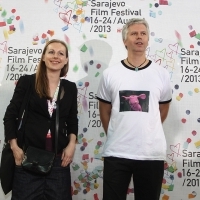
(55, 57)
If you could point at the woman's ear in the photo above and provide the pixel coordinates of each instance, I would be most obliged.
(43, 58)
(66, 61)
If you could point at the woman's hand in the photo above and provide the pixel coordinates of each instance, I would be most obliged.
(17, 152)
(68, 154)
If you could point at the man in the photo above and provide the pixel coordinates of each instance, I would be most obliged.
(134, 98)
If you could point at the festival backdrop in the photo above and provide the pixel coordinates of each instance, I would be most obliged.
(92, 31)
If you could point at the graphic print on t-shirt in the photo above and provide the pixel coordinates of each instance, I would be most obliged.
(134, 101)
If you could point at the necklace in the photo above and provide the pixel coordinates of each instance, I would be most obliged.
(136, 68)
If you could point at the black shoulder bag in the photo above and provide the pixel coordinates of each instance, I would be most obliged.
(40, 161)
(7, 159)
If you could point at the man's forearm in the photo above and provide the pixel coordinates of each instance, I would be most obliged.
(105, 121)
(105, 112)
(164, 108)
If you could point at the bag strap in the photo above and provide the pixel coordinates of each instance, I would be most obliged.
(23, 109)
(57, 118)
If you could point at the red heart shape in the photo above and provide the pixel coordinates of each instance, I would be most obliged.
(66, 16)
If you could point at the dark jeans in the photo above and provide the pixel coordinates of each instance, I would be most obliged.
(54, 186)
(147, 178)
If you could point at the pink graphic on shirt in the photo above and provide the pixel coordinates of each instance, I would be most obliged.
(134, 102)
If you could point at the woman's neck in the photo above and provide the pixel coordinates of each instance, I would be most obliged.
(53, 79)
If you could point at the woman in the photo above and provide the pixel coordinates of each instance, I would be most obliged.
(39, 128)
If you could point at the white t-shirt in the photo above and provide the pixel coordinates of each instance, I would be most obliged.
(135, 130)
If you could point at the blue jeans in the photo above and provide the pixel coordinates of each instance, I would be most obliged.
(147, 178)
(54, 186)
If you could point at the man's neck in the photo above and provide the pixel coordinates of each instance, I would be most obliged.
(136, 59)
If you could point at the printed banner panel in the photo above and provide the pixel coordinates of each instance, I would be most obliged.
(92, 32)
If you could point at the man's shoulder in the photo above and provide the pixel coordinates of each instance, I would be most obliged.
(159, 68)
(113, 67)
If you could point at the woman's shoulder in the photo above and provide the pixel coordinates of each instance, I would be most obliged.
(69, 84)
(26, 79)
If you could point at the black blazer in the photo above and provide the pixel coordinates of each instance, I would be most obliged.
(38, 120)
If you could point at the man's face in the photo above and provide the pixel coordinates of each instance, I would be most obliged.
(137, 38)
